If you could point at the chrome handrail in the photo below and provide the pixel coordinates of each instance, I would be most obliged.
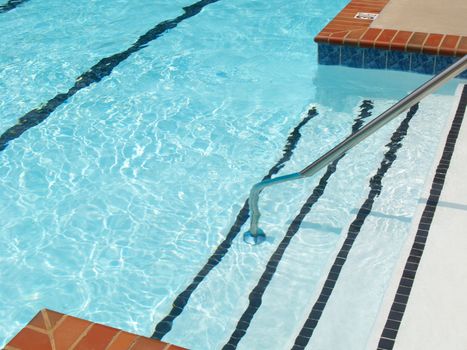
(255, 235)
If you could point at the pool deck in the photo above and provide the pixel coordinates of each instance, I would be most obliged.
(417, 25)
(50, 330)
(425, 307)
(416, 35)
(425, 16)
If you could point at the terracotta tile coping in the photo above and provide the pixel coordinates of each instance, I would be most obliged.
(50, 330)
(344, 29)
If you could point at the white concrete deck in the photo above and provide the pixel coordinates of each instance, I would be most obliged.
(427, 16)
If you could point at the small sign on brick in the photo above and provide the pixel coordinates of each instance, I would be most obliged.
(366, 15)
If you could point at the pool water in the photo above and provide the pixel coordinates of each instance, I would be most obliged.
(116, 198)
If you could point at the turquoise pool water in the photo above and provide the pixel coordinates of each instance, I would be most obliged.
(117, 198)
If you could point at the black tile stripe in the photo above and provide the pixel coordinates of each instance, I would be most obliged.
(401, 298)
(301, 341)
(256, 295)
(165, 325)
(11, 5)
(96, 73)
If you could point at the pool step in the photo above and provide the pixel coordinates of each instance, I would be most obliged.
(311, 255)
(430, 277)
(245, 265)
(353, 306)
(258, 310)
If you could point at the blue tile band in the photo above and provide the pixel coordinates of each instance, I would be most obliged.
(362, 57)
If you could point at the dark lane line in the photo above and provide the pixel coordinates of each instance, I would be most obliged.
(11, 5)
(303, 338)
(165, 325)
(256, 295)
(96, 73)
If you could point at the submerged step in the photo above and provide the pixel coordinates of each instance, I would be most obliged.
(351, 311)
(223, 296)
(218, 313)
(425, 303)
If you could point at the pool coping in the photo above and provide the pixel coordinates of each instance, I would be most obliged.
(397, 297)
(51, 330)
(345, 29)
(350, 40)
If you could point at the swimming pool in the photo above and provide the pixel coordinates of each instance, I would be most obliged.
(124, 187)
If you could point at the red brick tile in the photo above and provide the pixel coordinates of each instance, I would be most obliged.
(347, 14)
(337, 27)
(384, 39)
(400, 40)
(434, 39)
(326, 31)
(79, 334)
(29, 339)
(448, 45)
(368, 39)
(337, 38)
(432, 43)
(353, 37)
(69, 331)
(38, 321)
(351, 23)
(322, 38)
(462, 47)
(97, 338)
(416, 42)
(149, 344)
(123, 341)
(54, 317)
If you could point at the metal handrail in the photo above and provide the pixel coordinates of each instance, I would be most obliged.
(255, 235)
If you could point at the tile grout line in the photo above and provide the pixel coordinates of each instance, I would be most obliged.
(49, 328)
(391, 328)
(52, 331)
(114, 339)
(37, 329)
(134, 343)
(456, 45)
(438, 48)
(81, 336)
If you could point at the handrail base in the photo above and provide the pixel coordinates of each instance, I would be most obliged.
(256, 239)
